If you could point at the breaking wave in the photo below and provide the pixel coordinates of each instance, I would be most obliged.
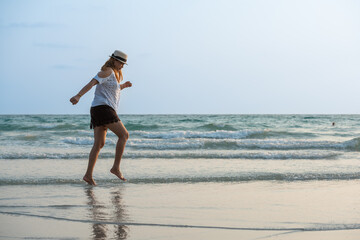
(225, 144)
(183, 155)
(250, 177)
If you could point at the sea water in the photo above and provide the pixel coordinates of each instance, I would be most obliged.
(184, 148)
(199, 160)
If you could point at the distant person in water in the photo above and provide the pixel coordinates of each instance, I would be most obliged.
(333, 123)
(103, 112)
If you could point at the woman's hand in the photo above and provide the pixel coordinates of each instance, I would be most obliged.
(75, 99)
(127, 84)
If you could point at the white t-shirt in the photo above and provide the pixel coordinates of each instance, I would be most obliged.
(107, 92)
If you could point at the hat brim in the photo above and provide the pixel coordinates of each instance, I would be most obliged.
(118, 60)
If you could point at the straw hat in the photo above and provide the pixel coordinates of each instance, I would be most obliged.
(120, 56)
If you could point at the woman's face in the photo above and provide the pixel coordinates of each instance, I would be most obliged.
(119, 65)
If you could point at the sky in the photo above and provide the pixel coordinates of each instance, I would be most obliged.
(184, 56)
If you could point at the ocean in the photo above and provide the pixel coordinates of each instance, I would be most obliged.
(285, 173)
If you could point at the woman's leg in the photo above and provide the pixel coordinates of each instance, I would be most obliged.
(99, 141)
(119, 129)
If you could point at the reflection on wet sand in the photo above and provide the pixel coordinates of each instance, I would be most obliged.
(100, 212)
(121, 232)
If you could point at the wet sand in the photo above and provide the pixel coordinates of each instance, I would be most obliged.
(252, 210)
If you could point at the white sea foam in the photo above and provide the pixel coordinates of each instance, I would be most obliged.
(203, 154)
(231, 144)
(85, 140)
(179, 154)
(240, 177)
(79, 140)
(197, 134)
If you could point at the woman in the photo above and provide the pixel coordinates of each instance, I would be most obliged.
(103, 112)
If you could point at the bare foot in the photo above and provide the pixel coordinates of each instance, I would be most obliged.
(118, 174)
(89, 180)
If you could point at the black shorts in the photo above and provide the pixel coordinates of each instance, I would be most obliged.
(102, 115)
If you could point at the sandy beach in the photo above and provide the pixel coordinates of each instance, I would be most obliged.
(182, 211)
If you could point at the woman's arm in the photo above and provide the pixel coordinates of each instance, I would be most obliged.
(75, 99)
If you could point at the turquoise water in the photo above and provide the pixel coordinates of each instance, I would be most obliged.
(208, 147)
